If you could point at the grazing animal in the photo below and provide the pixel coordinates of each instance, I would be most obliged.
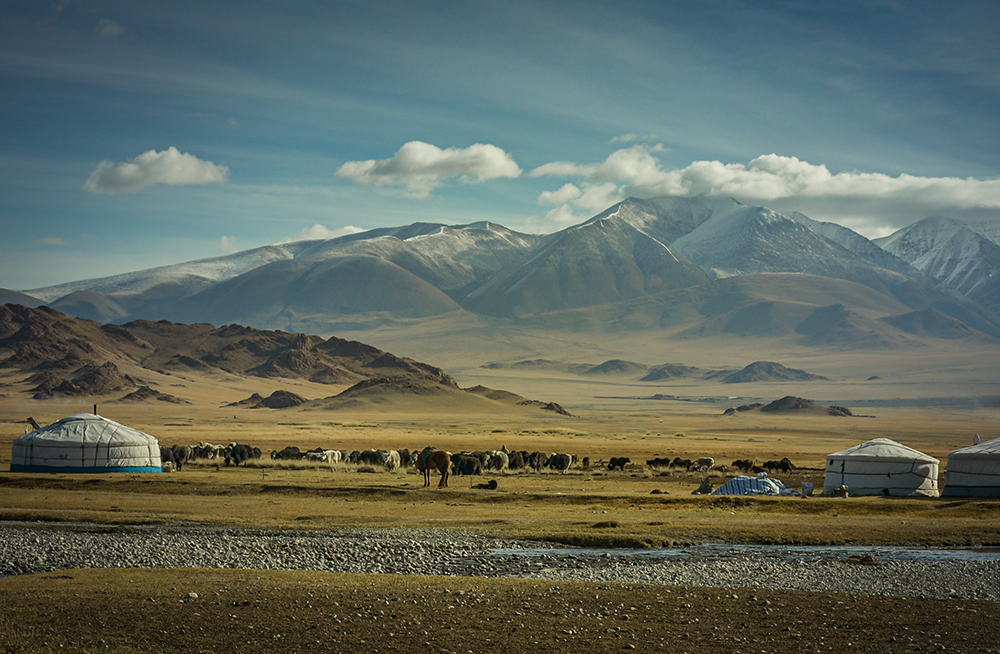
(318, 455)
(680, 463)
(703, 464)
(515, 460)
(618, 462)
(537, 460)
(466, 464)
(370, 457)
(391, 460)
(560, 462)
(431, 459)
(744, 465)
(785, 465)
(499, 460)
(238, 454)
(167, 456)
(182, 454)
(659, 462)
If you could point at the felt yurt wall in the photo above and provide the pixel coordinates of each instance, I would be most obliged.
(882, 467)
(974, 471)
(86, 443)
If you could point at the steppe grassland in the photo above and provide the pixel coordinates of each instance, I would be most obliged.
(562, 507)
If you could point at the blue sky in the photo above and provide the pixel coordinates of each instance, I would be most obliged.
(141, 134)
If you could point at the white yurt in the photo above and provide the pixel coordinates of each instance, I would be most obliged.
(882, 467)
(974, 471)
(86, 443)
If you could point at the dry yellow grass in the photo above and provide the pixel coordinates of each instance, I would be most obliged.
(608, 421)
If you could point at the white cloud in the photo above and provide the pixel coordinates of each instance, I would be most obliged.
(598, 197)
(422, 167)
(152, 167)
(318, 232)
(632, 138)
(872, 203)
(229, 244)
(562, 169)
(567, 193)
(559, 218)
(109, 29)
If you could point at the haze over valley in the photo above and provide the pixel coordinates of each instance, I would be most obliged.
(696, 283)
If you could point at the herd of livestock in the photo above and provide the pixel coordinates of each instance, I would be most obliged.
(462, 463)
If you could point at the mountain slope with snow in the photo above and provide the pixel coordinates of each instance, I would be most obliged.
(660, 263)
(857, 244)
(619, 254)
(955, 253)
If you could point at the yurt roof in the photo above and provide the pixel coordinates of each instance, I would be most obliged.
(986, 450)
(882, 449)
(87, 428)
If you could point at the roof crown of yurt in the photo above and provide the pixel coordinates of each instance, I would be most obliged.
(85, 442)
(882, 466)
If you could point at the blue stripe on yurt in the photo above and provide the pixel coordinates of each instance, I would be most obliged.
(18, 467)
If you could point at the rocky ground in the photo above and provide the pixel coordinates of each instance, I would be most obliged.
(30, 548)
(93, 588)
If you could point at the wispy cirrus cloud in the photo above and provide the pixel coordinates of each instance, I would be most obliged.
(785, 181)
(54, 241)
(421, 167)
(168, 167)
(109, 29)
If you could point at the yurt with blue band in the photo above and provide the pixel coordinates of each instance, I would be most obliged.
(86, 443)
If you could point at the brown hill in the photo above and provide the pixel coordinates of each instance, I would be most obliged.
(277, 400)
(513, 398)
(792, 404)
(931, 322)
(416, 395)
(44, 340)
(87, 380)
(617, 367)
(769, 371)
(145, 393)
(670, 371)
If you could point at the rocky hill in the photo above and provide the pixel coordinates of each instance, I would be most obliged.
(74, 352)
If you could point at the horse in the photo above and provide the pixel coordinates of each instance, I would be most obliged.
(431, 459)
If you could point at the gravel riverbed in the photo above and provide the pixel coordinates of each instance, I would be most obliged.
(27, 548)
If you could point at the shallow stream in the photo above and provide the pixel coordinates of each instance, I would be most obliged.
(719, 552)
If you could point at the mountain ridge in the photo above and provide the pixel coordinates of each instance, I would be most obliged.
(622, 262)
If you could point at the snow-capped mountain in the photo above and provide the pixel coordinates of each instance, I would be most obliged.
(645, 264)
(743, 240)
(617, 255)
(192, 274)
(857, 244)
(960, 255)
